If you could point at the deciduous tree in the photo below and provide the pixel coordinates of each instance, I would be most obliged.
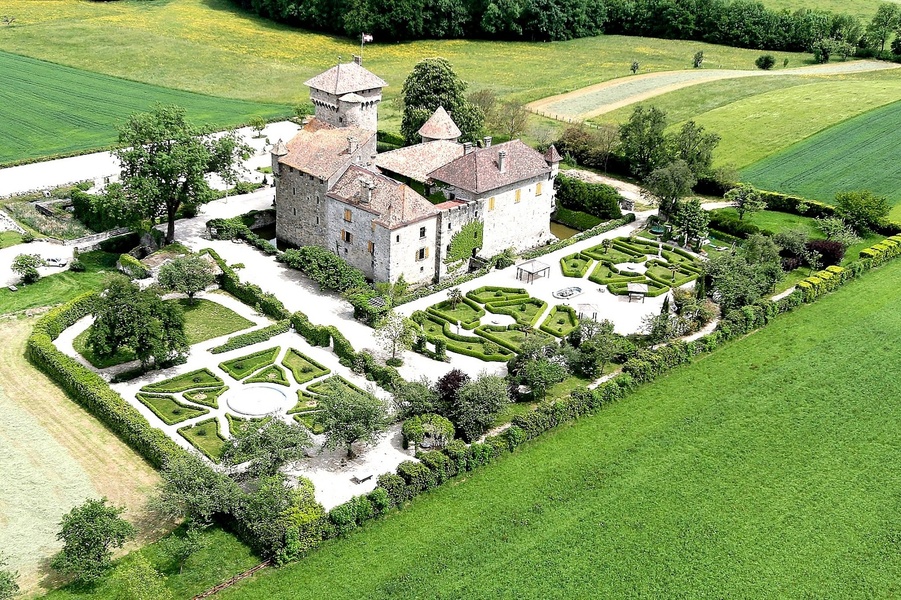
(89, 533)
(665, 186)
(883, 23)
(165, 161)
(180, 547)
(348, 416)
(266, 445)
(478, 403)
(140, 581)
(187, 274)
(395, 333)
(695, 146)
(745, 199)
(26, 266)
(431, 84)
(191, 490)
(692, 219)
(643, 141)
(863, 210)
(138, 319)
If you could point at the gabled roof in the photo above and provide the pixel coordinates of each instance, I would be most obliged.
(322, 150)
(479, 171)
(394, 203)
(417, 161)
(552, 156)
(440, 126)
(346, 78)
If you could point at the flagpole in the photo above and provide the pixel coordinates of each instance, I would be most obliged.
(362, 39)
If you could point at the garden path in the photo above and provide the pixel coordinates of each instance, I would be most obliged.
(594, 100)
(98, 165)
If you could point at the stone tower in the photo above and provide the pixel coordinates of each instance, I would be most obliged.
(347, 95)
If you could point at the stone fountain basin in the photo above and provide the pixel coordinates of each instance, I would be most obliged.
(258, 400)
(568, 292)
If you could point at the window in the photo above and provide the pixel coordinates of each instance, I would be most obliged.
(311, 178)
(421, 232)
(422, 253)
(295, 211)
(370, 247)
(347, 215)
(293, 191)
(538, 189)
(491, 203)
(317, 220)
(518, 196)
(448, 226)
(317, 200)
(346, 236)
(372, 224)
(397, 239)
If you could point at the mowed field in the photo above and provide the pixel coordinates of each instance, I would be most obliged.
(212, 47)
(761, 116)
(53, 456)
(765, 470)
(52, 109)
(861, 153)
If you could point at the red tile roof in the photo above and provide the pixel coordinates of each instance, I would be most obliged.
(417, 161)
(395, 204)
(321, 150)
(346, 78)
(479, 171)
(440, 126)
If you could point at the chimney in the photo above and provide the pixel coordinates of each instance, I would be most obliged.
(486, 141)
(501, 160)
(358, 60)
(467, 147)
(352, 145)
(366, 189)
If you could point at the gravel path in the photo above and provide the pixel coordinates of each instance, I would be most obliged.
(608, 96)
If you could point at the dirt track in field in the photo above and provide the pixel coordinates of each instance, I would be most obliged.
(54, 455)
(594, 100)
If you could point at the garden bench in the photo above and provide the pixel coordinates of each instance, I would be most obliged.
(358, 481)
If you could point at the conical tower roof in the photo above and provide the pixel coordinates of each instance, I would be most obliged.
(440, 126)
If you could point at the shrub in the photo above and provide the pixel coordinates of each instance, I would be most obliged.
(596, 199)
(765, 62)
(331, 272)
(726, 223)
(395, 488)
(27, 237)
(132, 267)
(90, 390)
(832, 252)
(253, 337)
(26, 265)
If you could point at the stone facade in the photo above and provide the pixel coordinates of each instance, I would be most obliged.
(329, 193)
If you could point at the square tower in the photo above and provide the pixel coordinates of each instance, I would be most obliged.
(347, 95)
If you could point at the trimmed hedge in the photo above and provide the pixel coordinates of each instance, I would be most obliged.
(300, 375)
(442, 309)
(315, 335)
(575, 265)
(90, 390)
(493, 293)
(200, 378)
(552, 323)
(271, 374)
(512, 308)
(596, 199)
(248, 293)
(253, 337)
(602, 228)
(241, 367)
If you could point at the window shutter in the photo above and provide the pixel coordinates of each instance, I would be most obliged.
(426, 251)
(342, 235)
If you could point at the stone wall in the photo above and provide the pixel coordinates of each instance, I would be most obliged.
(519, 225)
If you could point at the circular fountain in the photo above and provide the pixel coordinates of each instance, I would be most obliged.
(257, 400)
(568, 292)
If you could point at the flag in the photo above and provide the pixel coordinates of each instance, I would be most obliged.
(367, 37)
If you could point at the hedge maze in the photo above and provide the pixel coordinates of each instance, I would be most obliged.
(497, 343)
(666, 266)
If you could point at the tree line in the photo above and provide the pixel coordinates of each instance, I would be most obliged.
(741, 23)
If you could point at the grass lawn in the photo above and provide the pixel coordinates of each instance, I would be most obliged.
(860, 153)
(241, 367)
(201, 378)
(303, 367)
(759, 126)
(207, 397)
(271, 374)
(464, 313)
(776, 221)
(761, 470)
(61, 287)
(51, 119)
(220, 556)
(10, 238)
(484, 295)
(559, 322)
(205, 437)
(167, 409)
(575, 265)
(213, 47)
(204, 320)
